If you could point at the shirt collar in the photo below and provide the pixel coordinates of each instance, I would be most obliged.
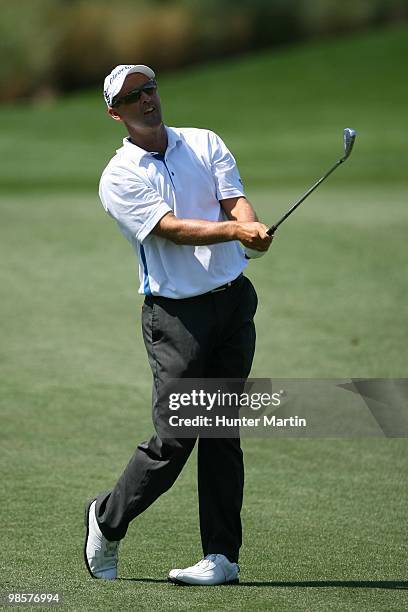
(137, 153)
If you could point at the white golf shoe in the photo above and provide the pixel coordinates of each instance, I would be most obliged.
(101, 555)
(213, 569)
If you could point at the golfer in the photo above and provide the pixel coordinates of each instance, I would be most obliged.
(177, 196)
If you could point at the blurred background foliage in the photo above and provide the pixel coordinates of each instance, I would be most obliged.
(51, 46)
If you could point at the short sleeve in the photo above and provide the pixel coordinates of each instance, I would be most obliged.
(224, 168)
(135, 205)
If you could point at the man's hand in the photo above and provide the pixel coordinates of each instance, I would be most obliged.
(253, 235)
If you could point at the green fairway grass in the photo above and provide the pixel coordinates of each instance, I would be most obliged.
(324, 520)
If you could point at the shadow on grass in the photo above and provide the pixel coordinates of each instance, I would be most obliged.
(158, 580)
(351, 584)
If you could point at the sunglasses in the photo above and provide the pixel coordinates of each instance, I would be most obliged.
(134, 94)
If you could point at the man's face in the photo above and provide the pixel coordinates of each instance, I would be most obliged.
(145, 112)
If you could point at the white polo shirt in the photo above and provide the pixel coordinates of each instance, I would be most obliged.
(138, 188)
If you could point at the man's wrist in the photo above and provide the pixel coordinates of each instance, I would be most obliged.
(232, 228)
(234, 232)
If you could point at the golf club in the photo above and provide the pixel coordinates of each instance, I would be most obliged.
(349, 136)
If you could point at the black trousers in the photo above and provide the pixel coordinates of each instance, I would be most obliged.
(209, 336)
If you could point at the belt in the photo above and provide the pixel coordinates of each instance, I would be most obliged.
(151, 298)
(227, 285)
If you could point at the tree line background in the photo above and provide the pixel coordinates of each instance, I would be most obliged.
(52, 46)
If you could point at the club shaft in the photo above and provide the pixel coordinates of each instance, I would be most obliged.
(273, 229)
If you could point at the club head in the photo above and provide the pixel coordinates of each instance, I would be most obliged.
(349, 136)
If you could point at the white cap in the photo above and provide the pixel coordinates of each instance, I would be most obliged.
(114, 81)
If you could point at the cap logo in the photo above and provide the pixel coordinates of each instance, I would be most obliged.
(118, 73)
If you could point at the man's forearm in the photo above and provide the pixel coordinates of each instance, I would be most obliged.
(239, 209)
(197, 232)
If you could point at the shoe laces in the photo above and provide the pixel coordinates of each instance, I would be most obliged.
(206, 561)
